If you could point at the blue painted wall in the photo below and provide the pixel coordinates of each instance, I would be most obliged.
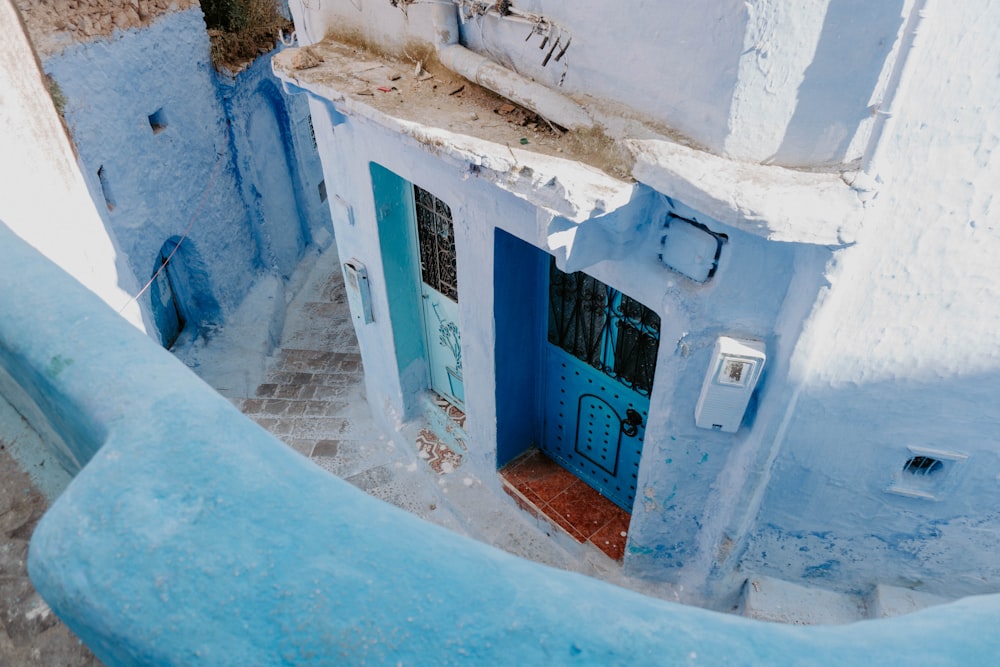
(278, 168)
(761, 289)
(230, 167)
(881, 342)
(175, 181)
(520, 307)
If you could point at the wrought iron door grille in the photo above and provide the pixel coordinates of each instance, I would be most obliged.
(436, 236)
(604, 328)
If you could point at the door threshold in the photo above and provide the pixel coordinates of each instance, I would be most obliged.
(548, 491)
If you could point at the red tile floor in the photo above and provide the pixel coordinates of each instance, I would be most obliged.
(547, 490)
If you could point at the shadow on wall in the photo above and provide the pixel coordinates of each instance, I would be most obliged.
(835, 94)
(280, 230)
(903, 492)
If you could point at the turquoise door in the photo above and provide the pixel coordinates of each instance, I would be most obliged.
(439, 295)
(599, 359)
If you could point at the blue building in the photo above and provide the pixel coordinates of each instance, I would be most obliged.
(751, 309)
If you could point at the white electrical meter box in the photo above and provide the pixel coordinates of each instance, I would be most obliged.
(731, 378)
(359, 295)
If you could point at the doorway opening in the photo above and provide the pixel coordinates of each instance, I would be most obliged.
(599, 367)
(181, 298)
(417, 239)
(439, 295)
(577, 397)
(167, 311)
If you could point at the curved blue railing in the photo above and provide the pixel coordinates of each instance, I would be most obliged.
(192, 537)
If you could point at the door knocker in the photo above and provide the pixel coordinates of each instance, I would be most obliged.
(631, 423)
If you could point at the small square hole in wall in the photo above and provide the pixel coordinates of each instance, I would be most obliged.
(158, 121)
(322, 190)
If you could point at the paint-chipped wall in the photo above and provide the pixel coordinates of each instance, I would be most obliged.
(280, 175)
(220, 167)
(151, 135)
(760, 290)
(880, 343)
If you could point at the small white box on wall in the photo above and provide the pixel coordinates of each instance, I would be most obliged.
(731, 378)
(358, 292)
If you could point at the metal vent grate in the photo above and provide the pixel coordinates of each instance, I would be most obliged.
(923, 465)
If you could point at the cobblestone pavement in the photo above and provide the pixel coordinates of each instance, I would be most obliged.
(312, 397)
(30, 634)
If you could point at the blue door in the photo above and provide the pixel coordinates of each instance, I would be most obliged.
(600, 359)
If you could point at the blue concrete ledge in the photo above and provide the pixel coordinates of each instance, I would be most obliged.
(192, 537)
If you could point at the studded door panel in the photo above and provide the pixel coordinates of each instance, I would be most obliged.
(586, 427)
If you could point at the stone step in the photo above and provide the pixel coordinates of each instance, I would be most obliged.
(885, 601)
(770, 599)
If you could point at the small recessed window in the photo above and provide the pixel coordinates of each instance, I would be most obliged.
(312, 131)
(102, 176)
(322, 190)
(158, 121)
(923, 465)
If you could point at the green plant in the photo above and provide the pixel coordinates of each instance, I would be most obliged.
(56, 93)
(241, 30)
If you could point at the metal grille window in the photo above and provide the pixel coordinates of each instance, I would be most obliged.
(602, 327)
(436, 234)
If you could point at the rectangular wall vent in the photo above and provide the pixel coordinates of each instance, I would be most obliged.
(925, 473)
(690, 248)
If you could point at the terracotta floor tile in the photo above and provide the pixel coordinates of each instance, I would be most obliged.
(513, 472)
(584, 507)
(533, 498)
(569, 502)
(566, 525)
(524, 503)
(550, 485)
(611, 538)
(536, 466)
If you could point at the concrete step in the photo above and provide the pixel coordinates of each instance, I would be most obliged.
(884, 601)
(770, 599)
(779, 601)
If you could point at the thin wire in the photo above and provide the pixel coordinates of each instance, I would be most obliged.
(163, 264)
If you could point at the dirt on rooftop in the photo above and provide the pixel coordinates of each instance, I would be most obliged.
(425, 92)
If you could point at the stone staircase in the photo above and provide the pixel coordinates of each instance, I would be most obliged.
(769, 599)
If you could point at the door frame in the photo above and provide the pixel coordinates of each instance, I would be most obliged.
(521, 312)
(443, 330)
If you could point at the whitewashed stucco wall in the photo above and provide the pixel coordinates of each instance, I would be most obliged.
(756, 81)
(903, 352)
(45, 198)
(762, 289)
